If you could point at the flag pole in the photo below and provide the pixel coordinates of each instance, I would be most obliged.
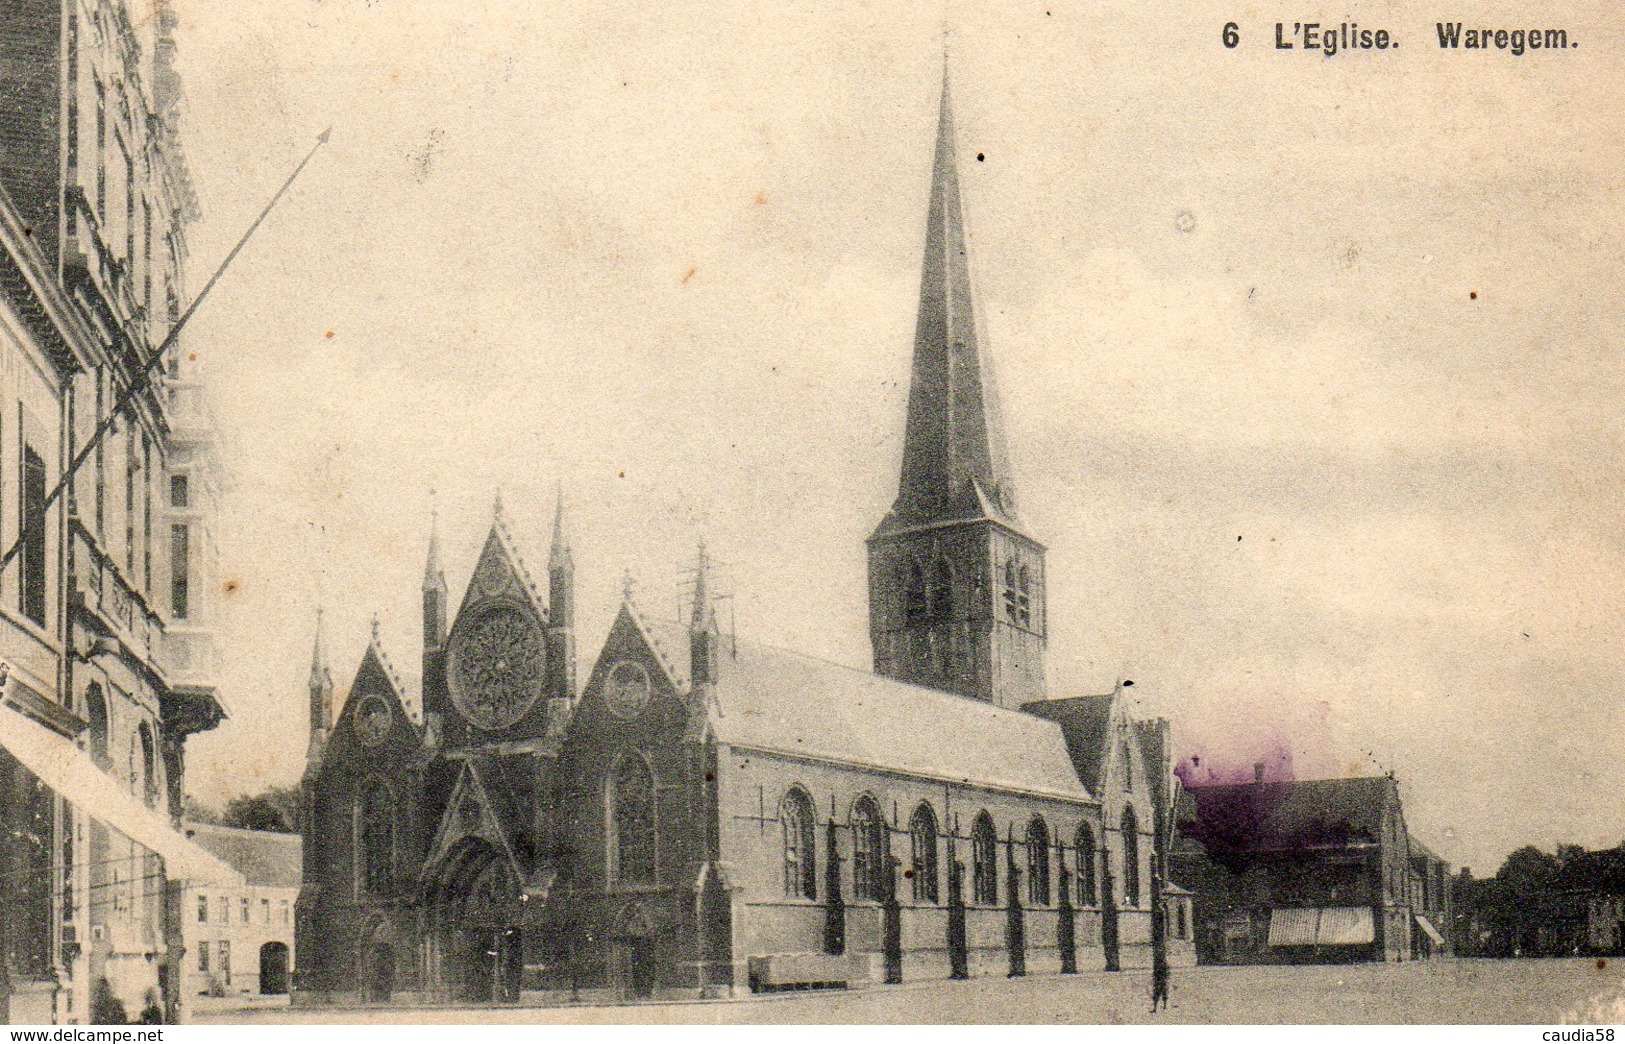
(143, 377)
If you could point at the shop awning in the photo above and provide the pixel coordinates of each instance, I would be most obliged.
(1431, 932)
(1322, 926)
(61, 765)
(1293, 927)
(1347, 926)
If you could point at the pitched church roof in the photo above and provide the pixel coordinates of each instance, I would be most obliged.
(1085, 722)
(789, 703)
(954, 462)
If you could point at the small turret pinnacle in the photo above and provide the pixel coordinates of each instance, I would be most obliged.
(434, 577)
(560, 554)
(703, 614)
(318, 654)
(702, 627)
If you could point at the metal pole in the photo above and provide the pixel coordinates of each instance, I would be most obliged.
(143, 377)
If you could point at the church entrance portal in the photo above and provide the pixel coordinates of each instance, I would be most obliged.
(476, 917)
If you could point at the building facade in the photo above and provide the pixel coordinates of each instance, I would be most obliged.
(239, 940)
(104, 642)
(1309, 871)
(699, 815)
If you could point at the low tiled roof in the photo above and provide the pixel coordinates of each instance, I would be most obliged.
(776, 700)
(265, 859)
(1266, 817)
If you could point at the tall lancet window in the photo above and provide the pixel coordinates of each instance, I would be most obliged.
(1087, 891)
(1037, 862)
(1131, 858)
(984, 847)
(800, 862)
(942, 591)
(922, 832)
(632, 804)
(869, 856)
(376, 839)
(916, 599)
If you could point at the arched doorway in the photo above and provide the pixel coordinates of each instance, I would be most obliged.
(378, 974)
(274, 967)
(635, 953)
(476, 918)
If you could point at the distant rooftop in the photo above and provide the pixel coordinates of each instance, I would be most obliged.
(265, 859)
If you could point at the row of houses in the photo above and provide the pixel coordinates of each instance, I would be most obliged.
(107, 481)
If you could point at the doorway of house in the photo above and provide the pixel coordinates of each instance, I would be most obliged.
(274, 967)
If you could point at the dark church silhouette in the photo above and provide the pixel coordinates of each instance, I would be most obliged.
(698, 817)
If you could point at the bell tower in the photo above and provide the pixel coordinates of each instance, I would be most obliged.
(956, 587)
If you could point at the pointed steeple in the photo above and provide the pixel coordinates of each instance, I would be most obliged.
(954, 464)
(956, 589)
(433, 575)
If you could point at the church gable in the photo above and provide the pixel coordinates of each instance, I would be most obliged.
(374, 722)
(635, 677)
(496, 668)
(500, 574)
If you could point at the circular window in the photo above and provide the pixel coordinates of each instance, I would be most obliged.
(372, 720)
(497, 666)
(627, 691)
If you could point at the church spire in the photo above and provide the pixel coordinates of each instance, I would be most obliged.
(956, 589)
(954, 464)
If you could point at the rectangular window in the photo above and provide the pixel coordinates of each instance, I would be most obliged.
(146, 516)
(101, 463)
(203, 957)
(180, 492)
(285, 911)
(202, 909)
(265, 910)
(32, 575)
(225, 960)
(132, 475)
(244, 906)
(180, 571)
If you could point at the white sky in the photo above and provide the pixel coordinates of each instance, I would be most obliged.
(671, 257)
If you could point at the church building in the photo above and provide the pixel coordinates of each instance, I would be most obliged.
(696, 815)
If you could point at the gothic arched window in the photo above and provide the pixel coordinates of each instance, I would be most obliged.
(916, 599)
(984, 852)
(96, 710)
(376, 837)
(942, 591)
(922, 833)
(1088, 893)
(1038, 862)
(632, 813)
(800, 860)
(1131, 857)
(149, 766)
(869, 869)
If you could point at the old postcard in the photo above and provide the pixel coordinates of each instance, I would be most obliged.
(1040, 512)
